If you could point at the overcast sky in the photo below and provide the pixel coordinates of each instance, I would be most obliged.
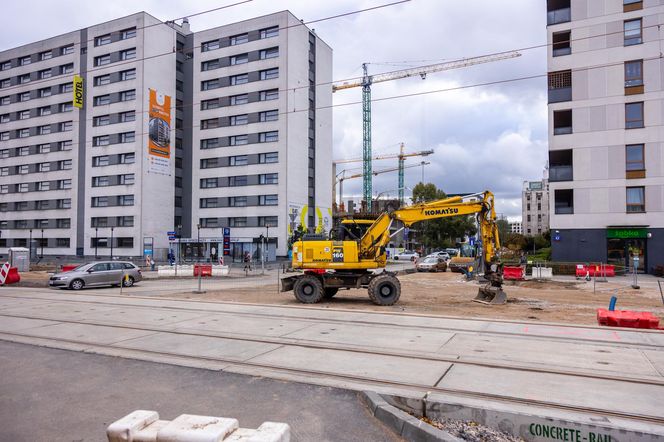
(490, 137)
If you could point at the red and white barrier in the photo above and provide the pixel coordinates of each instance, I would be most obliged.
(9, 275)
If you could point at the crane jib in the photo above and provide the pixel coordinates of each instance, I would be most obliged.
(448, 211)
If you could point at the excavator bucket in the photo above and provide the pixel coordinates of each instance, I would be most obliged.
(491, 295)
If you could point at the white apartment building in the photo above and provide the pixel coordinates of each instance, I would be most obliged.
(515, 227)
(606, 151)
(535, 207)
(115, 175)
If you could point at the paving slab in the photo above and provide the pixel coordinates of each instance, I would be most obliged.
(64, 311)
(385, 368)
(572, 356)
(9, 324)
(243, 325)
(92, 334)
(603, 394)
(139, 316)
(656, 358)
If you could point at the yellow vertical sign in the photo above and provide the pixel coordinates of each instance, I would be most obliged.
(78, 91)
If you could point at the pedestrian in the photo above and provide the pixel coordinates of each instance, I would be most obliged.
(247, 261)
(151, 263)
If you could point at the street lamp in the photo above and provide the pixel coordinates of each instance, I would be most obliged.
(41, 253)
(179, 239)
(267, 240)
(198, 242)
(111, 243)
(96, 240)
(30, 247)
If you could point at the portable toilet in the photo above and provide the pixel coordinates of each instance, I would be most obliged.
(18, 257)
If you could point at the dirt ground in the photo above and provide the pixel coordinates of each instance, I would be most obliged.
(448, 294)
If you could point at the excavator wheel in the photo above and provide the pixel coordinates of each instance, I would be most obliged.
(384, 290)
(308, 289)
(330, 292)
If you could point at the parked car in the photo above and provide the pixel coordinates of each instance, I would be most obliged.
(441, 254)
(432, 264)
(452, 252)
(407, 255)
(111, 273)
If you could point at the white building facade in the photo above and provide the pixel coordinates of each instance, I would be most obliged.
(535, 207)
(606, 151)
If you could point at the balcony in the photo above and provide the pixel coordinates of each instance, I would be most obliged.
(558, 16)
(560, 86)
(561, 173)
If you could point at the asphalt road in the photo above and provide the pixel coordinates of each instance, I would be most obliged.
(59, 395)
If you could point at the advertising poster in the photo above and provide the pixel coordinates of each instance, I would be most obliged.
(159, 134)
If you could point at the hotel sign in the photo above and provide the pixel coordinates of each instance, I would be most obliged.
(78, 91)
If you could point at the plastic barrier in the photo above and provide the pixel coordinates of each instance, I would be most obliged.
(627, 318)
(203, 269)
(9, 275)
(513, 273)
(69, 267)
(144, 426)
(595, 270)
(542, 273)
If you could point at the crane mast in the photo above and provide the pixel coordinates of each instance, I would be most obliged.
(367, 181)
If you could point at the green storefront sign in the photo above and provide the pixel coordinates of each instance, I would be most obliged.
(626, 233)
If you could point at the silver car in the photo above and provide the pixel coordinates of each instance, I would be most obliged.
(111, 273)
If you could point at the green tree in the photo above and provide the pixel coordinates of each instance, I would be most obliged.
(440, 232)
(503, 228)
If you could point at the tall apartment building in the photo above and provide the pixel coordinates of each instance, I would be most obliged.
(112, 171)
(535, 207)
(515, 227)
(606, 151)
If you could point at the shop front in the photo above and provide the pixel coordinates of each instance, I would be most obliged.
(210, 250)
(626, 243)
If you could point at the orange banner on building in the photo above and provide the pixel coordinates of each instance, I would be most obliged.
(159, 131)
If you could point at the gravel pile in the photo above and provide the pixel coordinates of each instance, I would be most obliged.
(472, 431)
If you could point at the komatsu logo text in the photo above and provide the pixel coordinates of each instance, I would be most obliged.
(449, 211)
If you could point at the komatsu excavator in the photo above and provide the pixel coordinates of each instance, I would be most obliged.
(327, 265)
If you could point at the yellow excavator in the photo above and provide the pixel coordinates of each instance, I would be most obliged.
(329, 265)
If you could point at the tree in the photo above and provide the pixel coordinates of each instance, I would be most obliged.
(441, 232)
(503, 228)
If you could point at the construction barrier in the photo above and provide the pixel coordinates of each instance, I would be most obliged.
(144, 426)
(9, 275)
(627, 318)
(513, 273)
(188, 271)
(69, 267)
(598, 270)
(203, 269)
(542, 272)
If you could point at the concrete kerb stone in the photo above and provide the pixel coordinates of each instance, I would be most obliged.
(402, 423)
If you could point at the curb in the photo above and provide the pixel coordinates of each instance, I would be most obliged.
(402, 423)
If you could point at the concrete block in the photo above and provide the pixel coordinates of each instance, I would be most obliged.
(542, 272)
(372, 400)
(220, 270)
(415, 429)
(388, 415)
(271, 432)
(192, 428)
(127, 428)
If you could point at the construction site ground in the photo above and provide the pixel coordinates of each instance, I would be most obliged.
(564, 299)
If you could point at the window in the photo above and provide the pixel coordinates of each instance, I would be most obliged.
(23, 169)
(66, 50)
(633, 115)
(43, 111)
(23, 151)
(239, 39)
(210, 45)
(268, 137)
(100, 181)
(271, 115)
(102, 140)
(127, 116)
(127, 33)
(179, 85)
(23, 133)
(100, 161)
(24, 61)
(268, 178)
(209, 84)
(237, 201)
(46, 55)
(64, 145)
(238, 120)
(564, 201)
(4, 153)
(128, 95)
(269, 74)
(125, 221)
(4, 118)
(5, 83)
(66, 126)
(235, 181)
(239, 59)
(209, 163)
(272, 94)
(101, 100)
(127, 179)
(103, 40)
(127, 158)
(5, 65)
(25, 96)
(210, 104)
(4, 171)
(64, 164)
(269, 53)
(238, 221)
(103, 60)
(67, 69)
(239, 160)
(129, 74)
(239, 79)
(23, 115)
(270, 32)
(128, 54)
(179, 66)
(64, 204)
(126, 200)
(4, 101)
(44, 148)
(101, 80)
(100, 201)
(239, 99)
(66, 88)
(634, 73)
(66, 107)
(44, 92)
(208, 203)
(208, 183)
(46, 73)
(560, 86)
(23, 187)
(44, 186)
(211, 123)
(127, 137)
(636, 199)
(632, 32)
(4, 188)
(210, 65)
(238, 140)
(62, 242)
(44, 167)
(268, 200)
(44, 130)
(102, 120)
(22, 79)
(634, 158)
(4, 136)
(210, 143)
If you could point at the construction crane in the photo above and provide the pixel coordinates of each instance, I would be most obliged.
(367, 80)
(342, 178)
(402, 159)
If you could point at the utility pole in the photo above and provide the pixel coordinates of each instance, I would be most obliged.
(96, 241)
(366, 136)
(111, 243)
